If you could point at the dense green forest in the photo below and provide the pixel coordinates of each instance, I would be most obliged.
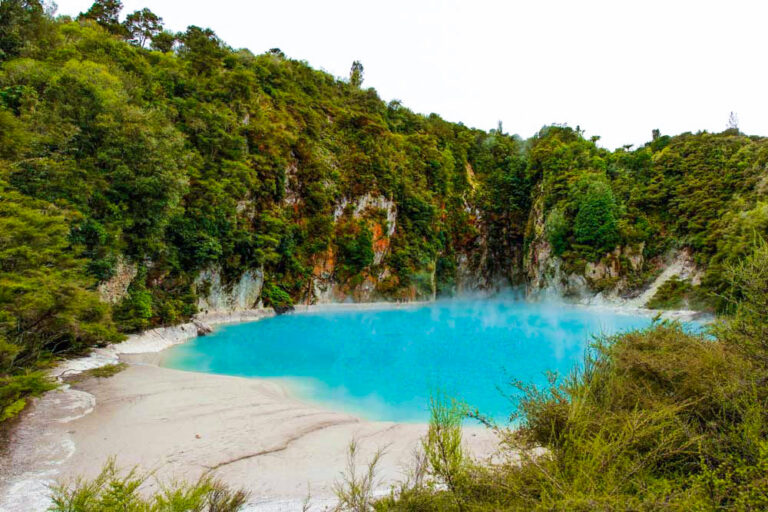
(123, 145)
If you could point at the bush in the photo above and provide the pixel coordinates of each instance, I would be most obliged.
(134, 311)
(114, 490)
(276, 298)
(671, 295)
(596, 222)
(16, 389)
(355, 249)
(557, 229)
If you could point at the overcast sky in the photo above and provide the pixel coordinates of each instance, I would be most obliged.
(616, 68)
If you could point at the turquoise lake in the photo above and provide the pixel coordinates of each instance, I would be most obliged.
(383, 364)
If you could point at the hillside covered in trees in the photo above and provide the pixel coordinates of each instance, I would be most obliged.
(140, 169)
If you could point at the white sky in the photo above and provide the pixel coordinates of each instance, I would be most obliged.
(617, 68)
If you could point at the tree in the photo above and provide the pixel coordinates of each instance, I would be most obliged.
(107, 14)
(45, 304)
(163, 41)
(356, 74)
(202, 49)
(355, 248)
(142, 26)
(556, 229)
(596, 224)
(18, 18)
(733, 122)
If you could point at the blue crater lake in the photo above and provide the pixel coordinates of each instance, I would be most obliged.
(383, 364)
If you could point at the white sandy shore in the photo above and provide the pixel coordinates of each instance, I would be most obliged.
(253, 432)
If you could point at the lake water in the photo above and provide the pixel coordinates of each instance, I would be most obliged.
(384, 364)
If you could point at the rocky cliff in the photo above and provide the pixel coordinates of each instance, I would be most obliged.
(622, 276)
(216, 296)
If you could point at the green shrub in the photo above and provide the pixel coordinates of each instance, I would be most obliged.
(355, 249)
(134, 311)
(114, 490)
(596, 223)
(557, 230)
(102, 372)
(671, 295)
(15, 390)
(276, 298)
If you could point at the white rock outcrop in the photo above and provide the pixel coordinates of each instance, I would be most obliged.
(216, 297)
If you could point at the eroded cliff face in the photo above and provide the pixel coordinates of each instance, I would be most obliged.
(477, 269)
(116, 287)
(622, 276)
(216, 296)
(380, 215)
(549, 275)
(481, 264)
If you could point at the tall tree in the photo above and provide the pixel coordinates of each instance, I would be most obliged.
(107, 14)
(202, 49)
(596, 224)
(163, 41)
(733, 121)
(143, 26)
(356, 74)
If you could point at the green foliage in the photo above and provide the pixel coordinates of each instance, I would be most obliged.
(134, 312)
(747, 299)
(595, 224)
(143, 26)
(355, 491)
(15, 389)
(45, 304)
(106, 13)
(356, 74)
(355, 248)
(44, 301)
(442, 444)
(276, 297)
(671, 294)
(106, 371)
(23, 26)
(557, 230)
(115, 490)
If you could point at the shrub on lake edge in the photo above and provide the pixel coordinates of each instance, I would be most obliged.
(116, 490)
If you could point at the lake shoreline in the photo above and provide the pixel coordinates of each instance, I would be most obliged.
(152, 416)
(256, 432)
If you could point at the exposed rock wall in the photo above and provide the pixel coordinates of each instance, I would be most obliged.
(679, 265)
(115, 288)
(617, 277)
(545, 272)
(216, 296)
(324, 287)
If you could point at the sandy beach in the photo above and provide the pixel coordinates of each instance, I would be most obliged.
(253, 432)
